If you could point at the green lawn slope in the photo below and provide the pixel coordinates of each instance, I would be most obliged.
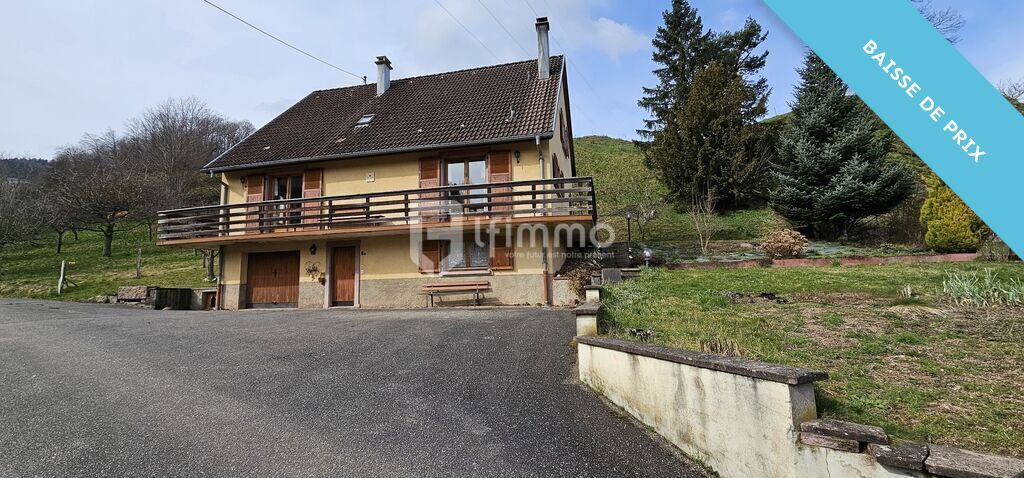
(618, 170)
(31, 270)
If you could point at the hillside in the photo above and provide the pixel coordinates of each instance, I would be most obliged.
(31, 270)
(620, 174)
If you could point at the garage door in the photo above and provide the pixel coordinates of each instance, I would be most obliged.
(273, 279)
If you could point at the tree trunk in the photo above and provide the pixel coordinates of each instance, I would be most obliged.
(108, 239)
(75, 232)
(210, 255)
(60, 240)
(149, 228)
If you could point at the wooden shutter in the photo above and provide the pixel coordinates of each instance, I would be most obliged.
(502, 256)
(430, 257)
(312, 187)
(253, 193)
(430, 177)
(499, 168)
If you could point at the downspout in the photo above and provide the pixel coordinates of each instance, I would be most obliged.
(546, 275)
(220, 253)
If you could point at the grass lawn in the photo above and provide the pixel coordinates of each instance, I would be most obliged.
(919, 366)
(31, 270)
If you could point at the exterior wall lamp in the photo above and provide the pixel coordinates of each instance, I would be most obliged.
(516, 154)
(312, 250)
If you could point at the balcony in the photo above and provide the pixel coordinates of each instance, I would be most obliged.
(389, 212)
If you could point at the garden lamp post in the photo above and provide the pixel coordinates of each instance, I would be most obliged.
(629, 238)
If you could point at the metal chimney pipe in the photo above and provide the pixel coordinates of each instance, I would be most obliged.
(543, 51)
(383, 74)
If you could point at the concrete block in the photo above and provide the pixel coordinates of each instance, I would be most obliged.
(841, 444)
(908, 456)
(845, 430)
(592, 293)
(586, 325)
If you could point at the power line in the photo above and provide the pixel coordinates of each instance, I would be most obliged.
(478, 40)
(289, 45)
(502, 25)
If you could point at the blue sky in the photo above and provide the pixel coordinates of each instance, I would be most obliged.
(82, 67)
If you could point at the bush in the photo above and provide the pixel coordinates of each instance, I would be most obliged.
(784, 243)
(950, 226)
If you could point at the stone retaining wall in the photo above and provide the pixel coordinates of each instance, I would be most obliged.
(745, 418)
(824, 262)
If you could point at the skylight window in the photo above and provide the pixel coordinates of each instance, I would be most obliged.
(364, 120)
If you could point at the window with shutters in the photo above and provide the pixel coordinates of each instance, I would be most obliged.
(466, 254)
(286, 187)
(466, 172)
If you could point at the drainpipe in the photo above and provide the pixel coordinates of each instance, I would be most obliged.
(220, 278)
(546, 276)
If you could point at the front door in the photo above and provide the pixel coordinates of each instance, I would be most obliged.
(344, 276)
(272, 279)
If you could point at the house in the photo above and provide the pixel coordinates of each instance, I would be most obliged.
(373, 195)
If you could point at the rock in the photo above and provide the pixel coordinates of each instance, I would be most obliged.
(908, 456)
(841, 444)
(957, 463)
(846, 430)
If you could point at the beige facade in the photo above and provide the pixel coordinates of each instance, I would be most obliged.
(388, 274)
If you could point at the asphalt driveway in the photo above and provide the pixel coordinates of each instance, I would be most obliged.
(112, 390)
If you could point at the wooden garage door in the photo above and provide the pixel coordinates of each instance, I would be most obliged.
(273, 279)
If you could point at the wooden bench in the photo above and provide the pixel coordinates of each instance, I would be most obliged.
(448, 288)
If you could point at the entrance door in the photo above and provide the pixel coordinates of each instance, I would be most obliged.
(273, 279)
(343, 276)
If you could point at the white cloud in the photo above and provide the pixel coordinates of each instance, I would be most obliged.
(615, 39)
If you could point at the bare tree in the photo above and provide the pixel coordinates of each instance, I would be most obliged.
(100, 187)
(702, 212)
(17, 220)
(175, 140)
(947, 20)
(1013, 89)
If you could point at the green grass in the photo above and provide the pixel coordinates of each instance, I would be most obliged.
(618, 170)
(28, 270)
(922, 368)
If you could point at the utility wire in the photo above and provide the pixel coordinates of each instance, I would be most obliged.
(502, 25)
(478, 40)
(289, 45)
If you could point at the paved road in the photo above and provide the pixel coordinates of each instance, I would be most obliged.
(111, 390)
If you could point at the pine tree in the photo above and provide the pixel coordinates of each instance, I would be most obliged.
(684, 48)
(831, 169)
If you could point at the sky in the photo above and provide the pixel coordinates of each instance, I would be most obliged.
(73, 67)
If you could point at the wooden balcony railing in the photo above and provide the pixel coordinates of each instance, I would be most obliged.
(497, 201)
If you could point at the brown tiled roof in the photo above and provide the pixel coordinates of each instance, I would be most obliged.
(418, 113)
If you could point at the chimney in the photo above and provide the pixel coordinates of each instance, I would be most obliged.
(543, 52)
(383, 74)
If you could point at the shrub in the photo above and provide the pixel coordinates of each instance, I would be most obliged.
(950, 226)
(784, 243)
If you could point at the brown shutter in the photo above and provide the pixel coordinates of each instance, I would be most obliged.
(502, 256)
(253, 193)
(312, 187)
(430, 256)
(499, 167)
(430, 177)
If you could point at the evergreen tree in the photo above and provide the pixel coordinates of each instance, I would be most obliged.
(684, 48)
(702, 152)
(832, 170)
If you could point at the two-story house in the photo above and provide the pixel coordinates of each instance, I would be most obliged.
(369, 195)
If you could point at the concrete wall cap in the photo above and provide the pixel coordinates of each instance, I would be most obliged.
(847, 430)
(908, 456)
(734, 365)
(588, 308)
(957, 463)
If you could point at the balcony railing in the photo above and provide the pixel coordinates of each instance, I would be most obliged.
(365, 212)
